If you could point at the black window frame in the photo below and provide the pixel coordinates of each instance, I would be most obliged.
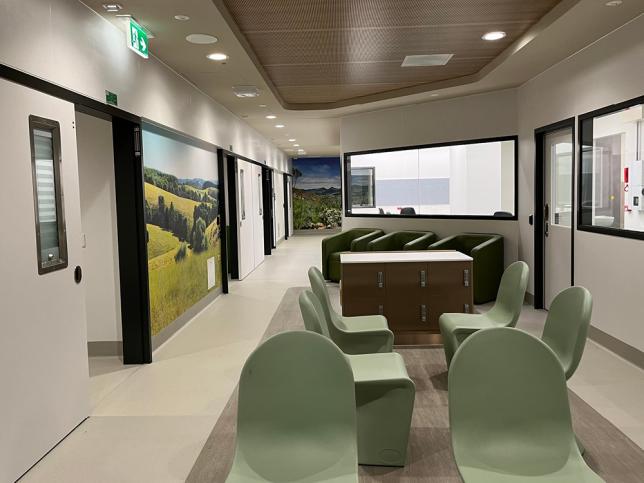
(347, 180)
(619, 232)
(43, 124)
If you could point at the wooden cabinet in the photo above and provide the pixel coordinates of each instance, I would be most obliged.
(412, 289)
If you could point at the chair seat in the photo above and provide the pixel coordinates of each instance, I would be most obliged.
(377, 367)
(365, 322)
(473, 321)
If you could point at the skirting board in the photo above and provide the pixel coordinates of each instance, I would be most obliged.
(625, 351)
(104, 348)
(183, 319)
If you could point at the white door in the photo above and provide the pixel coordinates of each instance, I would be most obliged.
(43, 348)
(558, 162)
(258, 214)
(246, 250)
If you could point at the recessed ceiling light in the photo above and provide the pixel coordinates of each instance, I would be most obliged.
(217, 56)
(426, 60)
(262, 105)
(497, 35)
(246, 91)
(279, 126)
(181, 18)
(292, 140)
(296, 145)
(271, 116)
(202, 39)
(614, 3)
(433, 94)
(112, 7)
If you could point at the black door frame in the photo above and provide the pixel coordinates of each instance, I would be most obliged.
(233, 222)
(539, 207)
(287, 199)
(267, 202)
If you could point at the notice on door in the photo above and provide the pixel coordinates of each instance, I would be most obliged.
(211, 272)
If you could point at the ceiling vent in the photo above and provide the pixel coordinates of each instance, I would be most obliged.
(426, 60)
(246, 91)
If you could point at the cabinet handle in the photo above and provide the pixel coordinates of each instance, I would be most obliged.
(381, 310)
(423, 313)
(466, 277)
(466, 308)
(381, 280)
(423, 279)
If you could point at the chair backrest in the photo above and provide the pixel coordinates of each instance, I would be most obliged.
(408, 210)
(509, 299)
(296, 396)
(313, 313)
(508, 404)
(321, 292)
(566, 327)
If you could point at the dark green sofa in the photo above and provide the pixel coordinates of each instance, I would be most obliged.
(354, 240)
(403, 240)
(487, 251)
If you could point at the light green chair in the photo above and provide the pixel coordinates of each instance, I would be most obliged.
(455, 328)
(384, 396)
(366, 334)
(509, 413)
(296, 418)
(402, 240)
(354, 240)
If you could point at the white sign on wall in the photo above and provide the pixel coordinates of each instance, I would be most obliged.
(211, 272)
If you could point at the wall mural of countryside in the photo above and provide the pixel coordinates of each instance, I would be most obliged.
(317, 193)
(182, 220)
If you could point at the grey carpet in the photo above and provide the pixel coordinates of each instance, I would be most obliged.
(608, 451)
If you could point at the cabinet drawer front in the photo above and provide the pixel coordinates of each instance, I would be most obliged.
(450, 275)
(363, 306)
(363, 280)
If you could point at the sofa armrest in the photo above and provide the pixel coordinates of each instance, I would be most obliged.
(488, 268)
(332, 244)
(422, 242)
(381, 243)
(449, 243)
(360, 243)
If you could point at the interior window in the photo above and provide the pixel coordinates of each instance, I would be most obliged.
(50, 223)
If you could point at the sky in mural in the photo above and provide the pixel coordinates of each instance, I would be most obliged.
(318, 173)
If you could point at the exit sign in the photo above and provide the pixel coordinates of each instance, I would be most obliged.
(137, 39)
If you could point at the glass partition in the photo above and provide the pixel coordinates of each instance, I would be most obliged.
(611, 180)
(466, 179)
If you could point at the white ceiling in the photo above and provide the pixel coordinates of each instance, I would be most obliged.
(569, 27)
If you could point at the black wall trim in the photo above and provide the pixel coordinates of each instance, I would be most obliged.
(233, 223)
(223, 231)
(287, 197)
(267, 202)
(539, 203)
(347, 181)
(133, 256)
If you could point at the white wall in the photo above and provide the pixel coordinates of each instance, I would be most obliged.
(72, 46)
(479, 116)
(605, 73)
(98, 220)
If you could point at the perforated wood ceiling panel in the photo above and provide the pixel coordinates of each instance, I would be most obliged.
(328, 51)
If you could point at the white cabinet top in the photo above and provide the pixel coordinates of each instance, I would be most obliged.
(407, 256)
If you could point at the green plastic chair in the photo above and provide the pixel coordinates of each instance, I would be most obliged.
(486, 250)
(384, 396)
(364, 334)
(296, 418)
(566, 328)
(354, 240)
(455, 328)
(509, 413)
(402, 240)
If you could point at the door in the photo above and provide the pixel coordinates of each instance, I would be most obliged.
(289, 206)
(43, 348)
(406, 294)
(363, 289)
(245, 210)
(450, 290)
(257, 214)
(558, 211)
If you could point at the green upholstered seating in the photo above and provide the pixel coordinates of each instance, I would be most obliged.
(296, 417)
(354, 240)
(455, 328)
(566, 327)
(353, 335)
(384, 396)
(509, 413)
(402, 240)
(486, 251)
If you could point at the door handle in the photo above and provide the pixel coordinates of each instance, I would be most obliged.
(381, 280)
(466, 277)
(466, 308)
(381, 310)
(78, 274)
(423, 313)
(423, 279)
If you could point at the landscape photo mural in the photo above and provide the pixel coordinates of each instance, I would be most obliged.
(317, 193)
(182, 221)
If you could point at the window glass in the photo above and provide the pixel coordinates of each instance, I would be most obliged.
(611, 170)
(469, 179)
(50, 229)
